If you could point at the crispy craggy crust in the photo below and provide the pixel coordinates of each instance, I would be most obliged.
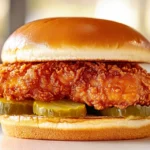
(33, 127)
(97, 84)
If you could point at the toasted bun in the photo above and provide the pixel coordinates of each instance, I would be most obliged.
(75, 129)
(75, 39)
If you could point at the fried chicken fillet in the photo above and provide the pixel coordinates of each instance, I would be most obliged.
(96, 84)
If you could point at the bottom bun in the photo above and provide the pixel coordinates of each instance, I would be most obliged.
(89, 128)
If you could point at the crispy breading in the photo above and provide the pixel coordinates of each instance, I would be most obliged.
(97, 84)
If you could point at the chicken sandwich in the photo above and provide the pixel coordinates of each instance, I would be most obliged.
(75, 79)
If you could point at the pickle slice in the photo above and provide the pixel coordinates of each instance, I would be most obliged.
(61, 108)
(15, 108)
(139, 111)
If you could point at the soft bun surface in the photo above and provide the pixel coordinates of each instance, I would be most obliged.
(89, 128)
(75, 39)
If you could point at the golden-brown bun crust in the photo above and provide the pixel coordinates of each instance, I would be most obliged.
(33, 127)
(75, 39)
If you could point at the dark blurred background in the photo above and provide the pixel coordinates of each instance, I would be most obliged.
(14, 13)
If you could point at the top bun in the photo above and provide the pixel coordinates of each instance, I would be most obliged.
(75, 39)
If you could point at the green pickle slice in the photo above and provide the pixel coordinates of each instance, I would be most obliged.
(138, 111)
(15, 108)
(60, 108)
